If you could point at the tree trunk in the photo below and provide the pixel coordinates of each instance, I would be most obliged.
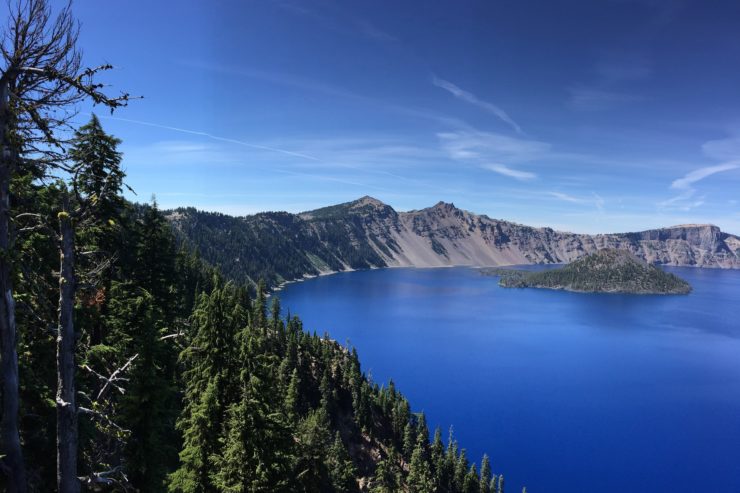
(10, 443)
(67, 481)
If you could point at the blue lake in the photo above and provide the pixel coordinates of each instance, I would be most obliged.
(566, 392)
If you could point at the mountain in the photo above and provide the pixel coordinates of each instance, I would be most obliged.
(604, 271)
(366, 233)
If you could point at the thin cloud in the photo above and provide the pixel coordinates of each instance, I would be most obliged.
(319, 87)
(701, 173)
(584, 98)
(623, 67)
(512, 173)
(213, 137)
(490, 146)
(596, 201)
(472, 99)
(685, 201)
(722, 149)
(567, 198)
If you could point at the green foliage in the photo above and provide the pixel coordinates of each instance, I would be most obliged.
(608, 271)
(277, 246)
(214, 390)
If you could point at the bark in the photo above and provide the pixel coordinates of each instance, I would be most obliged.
(10, 444)
(67, 481)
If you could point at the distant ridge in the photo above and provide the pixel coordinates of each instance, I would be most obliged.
(366, 233)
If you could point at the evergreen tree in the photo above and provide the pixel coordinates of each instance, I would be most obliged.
(409, 440)
(387, 475)
(437, 458)
(420, 479)
(485, 475)
(342, 471)
(208, 360)
(200, 430)
(313, 443)
(471, 483)
(461, 470)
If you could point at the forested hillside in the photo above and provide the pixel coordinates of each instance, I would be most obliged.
(128, 364)
(278, 246)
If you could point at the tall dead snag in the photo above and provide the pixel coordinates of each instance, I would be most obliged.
(10, 443)
(66, 399)
(41, 82)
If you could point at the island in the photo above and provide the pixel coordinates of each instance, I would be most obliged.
(605, 271)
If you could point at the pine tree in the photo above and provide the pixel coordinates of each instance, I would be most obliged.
(485, 475)
(409, 440)
(313, 442)
(209, 374)
(420, 479)
(387, 475)
(292, 397)
(471, 482)
(256, 444)
(438, 458)
(461, 470)
(149, 405)
(342, 471)
(200, 430)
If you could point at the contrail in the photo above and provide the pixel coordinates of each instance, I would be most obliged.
(214, 137)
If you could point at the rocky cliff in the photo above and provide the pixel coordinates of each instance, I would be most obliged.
(368, 233)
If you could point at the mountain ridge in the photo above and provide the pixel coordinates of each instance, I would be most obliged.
(367, 233)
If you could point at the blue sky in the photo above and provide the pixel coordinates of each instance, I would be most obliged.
(589, 116)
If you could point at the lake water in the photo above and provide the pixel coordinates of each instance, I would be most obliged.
(566, 392)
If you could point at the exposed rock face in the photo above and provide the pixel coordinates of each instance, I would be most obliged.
(445, 235)
(368, 233)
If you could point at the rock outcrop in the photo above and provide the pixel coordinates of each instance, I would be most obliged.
(368, 233)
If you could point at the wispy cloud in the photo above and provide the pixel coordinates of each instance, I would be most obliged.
(490, 146)
(373, 32)
(334, 18)
(685, 201)
(727, 149)
(584, 98)
(471, 98)
(213, 137)
(689, 179)
(687, 198)
(611, 85)
(619, 67)
(513, 173)
(320, 87)
(595, 200)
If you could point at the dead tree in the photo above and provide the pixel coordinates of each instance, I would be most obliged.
(41, 82)
(66, 399)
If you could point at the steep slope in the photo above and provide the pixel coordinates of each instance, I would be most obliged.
(605, 271)
(366, 233)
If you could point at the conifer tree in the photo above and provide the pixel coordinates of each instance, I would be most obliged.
(313, 442)
(461, 470)
(471, 483)
(485, 475)
(342, 471)
(409, 440)
(41, 82)
(149, 404)
(420, 479)
(438, 458)
(208, 360)
(387, 475)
